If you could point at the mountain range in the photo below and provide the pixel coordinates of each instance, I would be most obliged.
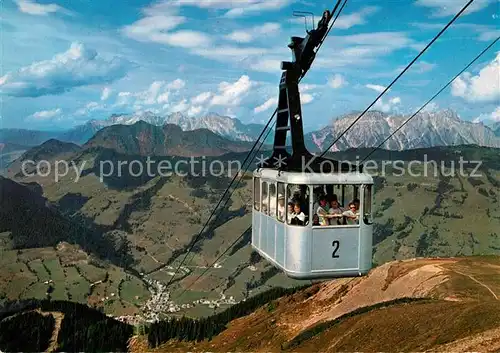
(427, 129)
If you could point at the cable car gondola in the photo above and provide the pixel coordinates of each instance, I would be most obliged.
(290, 188)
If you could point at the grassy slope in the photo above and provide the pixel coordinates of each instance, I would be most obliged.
(74, 275)
(461, 303)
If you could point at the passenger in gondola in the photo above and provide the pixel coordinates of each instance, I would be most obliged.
(316, 220)
(272, 206)
(264, 204)
(317, 194)
(333, 197)
(298, 217)
(335, 213)
(299, 197)
(289, 213)
(281, 207)
(352, 215)
(322, 211)
(357, 203)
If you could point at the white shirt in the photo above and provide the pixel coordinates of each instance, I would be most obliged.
(281, 212)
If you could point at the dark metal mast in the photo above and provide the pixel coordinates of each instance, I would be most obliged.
(289, 114)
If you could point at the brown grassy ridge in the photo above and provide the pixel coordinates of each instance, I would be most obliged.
(462, 304)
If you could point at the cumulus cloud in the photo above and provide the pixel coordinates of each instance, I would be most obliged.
(33, 8)
(181, 106)
(483, 87)
(389, 105)
(249, 34)
(78, 66)
(46, 114)
(444, 8)
(306, 98)
(176, 85)
(231, 94)
(159, 92)
(272, 102)
(227, 96)
(194, 110)
(431, 107)
(337, 81)
(201, 98)
(490, 117)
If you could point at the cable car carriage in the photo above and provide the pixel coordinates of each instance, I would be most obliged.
(312, 216)
(309, 249)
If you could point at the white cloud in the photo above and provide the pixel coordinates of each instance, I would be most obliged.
(268, 65)
(256, 6)
(201, 98)
(231, 94)
(337, 81)
(195, 110)
(33, 8)
(228, 95)
(423, 66)
(304, 87)
(356, 18)
(249, 34)
(154, 25)
(266, 105)
(377, 88)
(235, 8)
(180, 107)
(362, 49)
(487, 36)
(233, 53)
(176, 84)
(78, 66)
(388, 106)
(185, 39)
(89, 107)
(491, 117)
(431, 107)
(395, 100)
(106, 92)
(159, 92)
(484, 87)
(306, 98)
(46, 114)
(163, 98)
(444, 8)
(157, 29)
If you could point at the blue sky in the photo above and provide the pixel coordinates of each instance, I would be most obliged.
(66, 62)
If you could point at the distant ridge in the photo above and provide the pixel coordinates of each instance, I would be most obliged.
(145, 139)
(428, 129)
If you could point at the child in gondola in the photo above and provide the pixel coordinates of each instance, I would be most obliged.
(298, 217)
